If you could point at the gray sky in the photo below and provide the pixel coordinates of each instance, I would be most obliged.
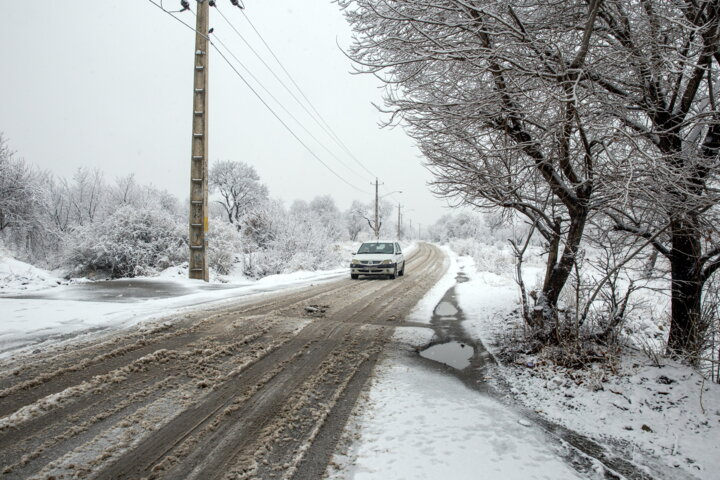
(109, 85)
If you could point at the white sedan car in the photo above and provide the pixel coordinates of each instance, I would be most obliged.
(378, 258)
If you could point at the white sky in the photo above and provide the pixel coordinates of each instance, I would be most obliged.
(109, 85)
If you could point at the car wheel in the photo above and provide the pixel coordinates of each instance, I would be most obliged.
(354, 276)
(402, 272)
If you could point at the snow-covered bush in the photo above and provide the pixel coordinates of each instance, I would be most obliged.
(490, 258)
(128, 243)
(297, 239)
(224, 246)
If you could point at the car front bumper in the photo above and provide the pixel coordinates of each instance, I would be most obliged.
(380, 269)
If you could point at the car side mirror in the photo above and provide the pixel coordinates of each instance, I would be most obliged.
(353, 253)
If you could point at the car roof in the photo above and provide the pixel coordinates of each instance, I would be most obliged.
(381, 241)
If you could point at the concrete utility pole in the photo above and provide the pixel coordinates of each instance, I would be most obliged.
(377, 225)
(398, 232)
(199, 160)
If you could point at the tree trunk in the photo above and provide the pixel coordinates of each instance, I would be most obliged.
(558, 272)
(686, 329)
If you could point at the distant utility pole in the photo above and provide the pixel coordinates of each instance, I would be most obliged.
(199, 160)
(398, 232)
(377, 219)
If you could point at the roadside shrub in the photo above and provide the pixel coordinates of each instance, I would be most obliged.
(224, 243)
(128, 243)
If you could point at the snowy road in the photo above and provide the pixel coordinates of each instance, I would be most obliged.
(257, 389)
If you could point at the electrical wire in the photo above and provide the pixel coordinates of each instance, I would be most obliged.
(247, 70)
(319, 119)
(284, 85)
(280, 104)
(240, 76)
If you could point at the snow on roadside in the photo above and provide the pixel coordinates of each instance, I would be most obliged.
(416, 423)
(413, 337)
(668, 411)
(21, 277)
(422, 312)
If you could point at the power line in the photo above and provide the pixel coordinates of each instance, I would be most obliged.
(324, 125)
(259, 57)
(280, 104)
(287, 127)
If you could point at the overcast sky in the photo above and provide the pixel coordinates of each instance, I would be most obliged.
(109, 85)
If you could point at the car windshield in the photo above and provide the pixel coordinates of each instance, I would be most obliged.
(386, 248)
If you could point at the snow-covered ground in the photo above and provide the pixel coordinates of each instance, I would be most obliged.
(422, 424)
(666, 410)
(17, 276)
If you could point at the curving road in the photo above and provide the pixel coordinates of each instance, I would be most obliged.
(258, 389)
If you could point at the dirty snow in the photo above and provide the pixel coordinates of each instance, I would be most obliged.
(50, 309)
(70, 310)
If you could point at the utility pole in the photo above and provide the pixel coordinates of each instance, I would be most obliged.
(398, 232)
(199, 162)
(377, 220)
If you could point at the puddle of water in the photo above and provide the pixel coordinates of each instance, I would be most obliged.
(454, 354)
(445, 309)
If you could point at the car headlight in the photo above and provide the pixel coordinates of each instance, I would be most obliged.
(355, 261)
(385, 262)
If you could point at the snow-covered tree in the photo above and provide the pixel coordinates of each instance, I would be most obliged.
(355, 221)
(288, 240)
(492, 94)
(86, 195)
(23, 201)
(239, 188)
(224, 247)
(19, 190)
(327, 213)
(655, 78)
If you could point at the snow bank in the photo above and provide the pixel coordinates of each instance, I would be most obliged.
(18, 277)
